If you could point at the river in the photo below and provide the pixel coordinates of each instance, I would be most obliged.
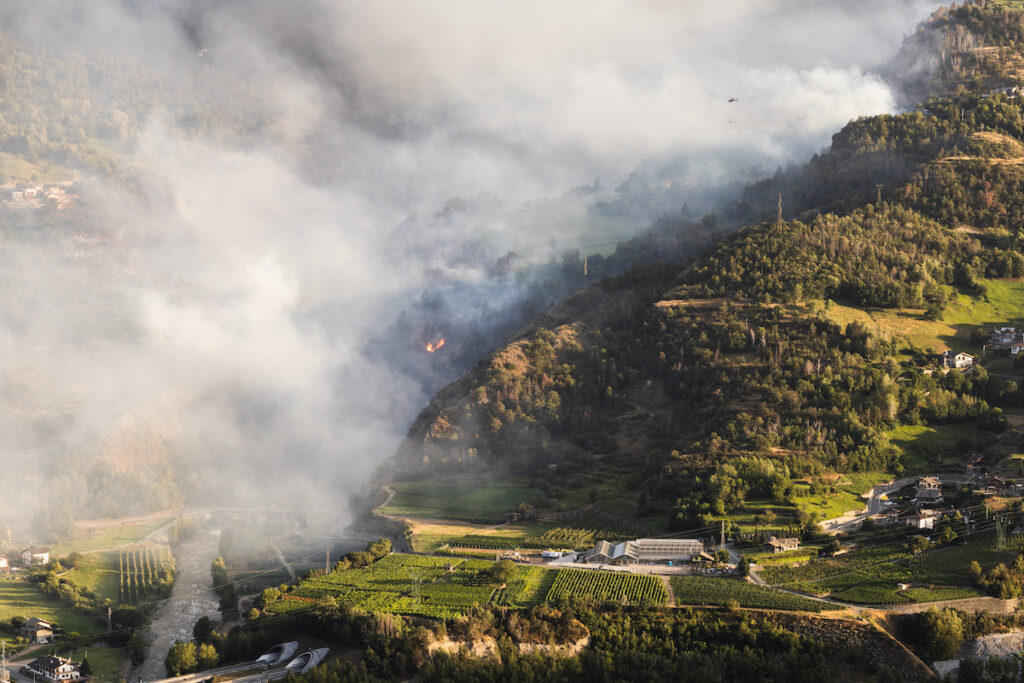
(191, 598)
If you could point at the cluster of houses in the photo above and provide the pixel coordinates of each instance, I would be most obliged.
(929, 502)
(1006, 338)
(37, 196)
(1009, 338)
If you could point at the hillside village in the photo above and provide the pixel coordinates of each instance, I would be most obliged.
(51, 196)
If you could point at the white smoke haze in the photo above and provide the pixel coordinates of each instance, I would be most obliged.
(239, 278)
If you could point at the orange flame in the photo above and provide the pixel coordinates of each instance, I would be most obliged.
(434, 347)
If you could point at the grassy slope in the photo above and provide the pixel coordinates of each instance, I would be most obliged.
(97, 572)
(100, 536)
(1002, 303)
(19, 599)
(17, 169)
(465, 498)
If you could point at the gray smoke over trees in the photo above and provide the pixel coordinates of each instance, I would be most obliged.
(265, 187)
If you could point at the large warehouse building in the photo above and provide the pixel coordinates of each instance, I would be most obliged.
(643, 550)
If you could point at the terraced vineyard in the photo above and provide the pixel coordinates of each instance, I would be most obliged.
(703, 590)
(559, 537)
(607, 586)
(529, 588)
(871, 576)
(436, 587)
(143, 571)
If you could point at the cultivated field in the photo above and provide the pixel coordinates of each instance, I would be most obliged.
(702, 590)
(405, 584)
(608, 586)
(870, 576)
(466, 499)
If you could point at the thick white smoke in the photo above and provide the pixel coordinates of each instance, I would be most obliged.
(244, 272)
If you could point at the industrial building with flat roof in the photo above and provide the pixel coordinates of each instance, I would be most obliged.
(643, 550)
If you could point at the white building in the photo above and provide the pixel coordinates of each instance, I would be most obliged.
(35, 556)
(643, 550)
(960, 361)
(781, 545)
(929, 488)
(56, 669)
(925, 519)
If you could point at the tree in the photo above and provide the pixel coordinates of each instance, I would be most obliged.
(500, 572)
(181, 659)
(207, 657)
(743, 566)
(137, 648)
(269, 596)
(84, 668)
(942, 633)
(202, 632)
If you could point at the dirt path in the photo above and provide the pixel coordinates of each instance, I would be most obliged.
(671, 593)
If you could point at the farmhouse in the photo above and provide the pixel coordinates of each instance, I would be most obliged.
(925, 519)
(886, 518)
(781, 545)
(959, 361)
(5, 566)
(55, 669)
(929, 488)
(643, 550)
(35, 555)
(37, 630)
(1003, 336)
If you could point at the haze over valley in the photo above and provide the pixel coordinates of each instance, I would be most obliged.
(276, 210)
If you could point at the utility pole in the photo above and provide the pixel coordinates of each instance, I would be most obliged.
(327, 561)
(878, 201)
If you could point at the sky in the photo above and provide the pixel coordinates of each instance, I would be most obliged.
(244, 277)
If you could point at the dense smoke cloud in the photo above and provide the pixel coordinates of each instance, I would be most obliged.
(239, 276)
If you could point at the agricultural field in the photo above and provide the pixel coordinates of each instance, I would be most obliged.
(608, 586)
(98, 573)
(144, 571)
(105, 662)
(703, 590)
(765, 558)
(20, 599)
(871, 576)
(103, 535)
(468, 499)
(559, 537)
(405, 584)
(529, 588)
(609, 523)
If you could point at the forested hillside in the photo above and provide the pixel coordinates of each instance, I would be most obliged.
(751, 373)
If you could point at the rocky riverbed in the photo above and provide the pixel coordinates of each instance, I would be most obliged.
(192, 598)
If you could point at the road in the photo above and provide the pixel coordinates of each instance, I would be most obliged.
(876, 503)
